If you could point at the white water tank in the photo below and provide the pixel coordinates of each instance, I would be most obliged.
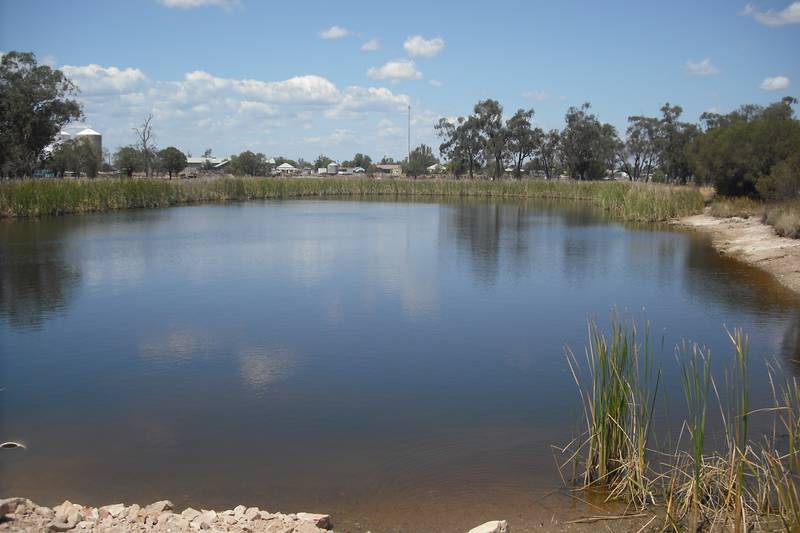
(95, 139)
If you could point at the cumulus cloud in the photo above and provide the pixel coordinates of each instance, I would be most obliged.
(201, 109)
(772, 17)
(702, 68)
(191, 4)
(94, 78)
(400, 69)
(539, 95)
(334, 32)
(418, 46)
(775, 83)
(372, 45)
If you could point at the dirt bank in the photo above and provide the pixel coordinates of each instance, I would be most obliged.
(755, 243)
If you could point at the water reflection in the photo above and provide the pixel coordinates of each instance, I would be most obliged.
(261, 367)
(36, 277)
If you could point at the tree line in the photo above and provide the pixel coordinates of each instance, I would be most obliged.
(754, 150)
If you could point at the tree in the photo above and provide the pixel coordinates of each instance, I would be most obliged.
(75, 155)
(249, 164)
(588, 146)
(462, 145)
(638, 155)
(34, 106)
(489, 116)
(145, 135)
(172, 159)
(549, 153)
(363, 161)
(672, 141)
(128, 159)
(523, 139)
(746, 146)
(419, 160)
(322, 161)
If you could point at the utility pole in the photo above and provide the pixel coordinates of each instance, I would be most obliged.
(409, 134)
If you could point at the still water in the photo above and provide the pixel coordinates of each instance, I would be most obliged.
(396, 364)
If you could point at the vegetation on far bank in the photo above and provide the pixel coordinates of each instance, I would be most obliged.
(634, 202)
(739, 482)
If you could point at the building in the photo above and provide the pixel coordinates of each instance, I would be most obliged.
(206, 163)
(95, 139)
(287, 170)
(392, 170)
(436, 168)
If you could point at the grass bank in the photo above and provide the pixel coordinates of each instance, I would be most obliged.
(784, 217)
(634, 202)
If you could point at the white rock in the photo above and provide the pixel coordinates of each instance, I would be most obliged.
(190, 514)
(114, 510)
(320, 520)
(495, 526)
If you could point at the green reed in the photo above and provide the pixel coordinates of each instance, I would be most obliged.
(634, 202)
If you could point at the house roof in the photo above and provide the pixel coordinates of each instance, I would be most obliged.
(87, 131)
(388, 167)
(286, 166)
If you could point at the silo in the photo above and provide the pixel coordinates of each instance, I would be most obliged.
(333, 168)
(97, 143)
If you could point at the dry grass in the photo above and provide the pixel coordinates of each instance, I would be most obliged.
(785, 218)
(726, 207)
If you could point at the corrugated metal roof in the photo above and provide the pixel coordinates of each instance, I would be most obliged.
(87, 131)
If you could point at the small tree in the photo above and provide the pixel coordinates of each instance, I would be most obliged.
(420, 159)
(145, 136)
(128, 159)
(172, 160)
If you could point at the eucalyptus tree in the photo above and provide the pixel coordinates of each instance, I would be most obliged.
(549, 153)
(172, 159)
(588, 146)
(522, 139)
(35, 104)
(672, 142)
(419, 160)
(462, 143)
(144, 135)
(637, 156)
(489, 116)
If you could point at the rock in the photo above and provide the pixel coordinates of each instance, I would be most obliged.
(133, 513)
(9, 505)
(239, 510)
(45, 512)
(113, 510)
(320, 520)
(305, 527)
(65, 520)
(190, 514)
(495, 526)
(252, 513)
(159, 507)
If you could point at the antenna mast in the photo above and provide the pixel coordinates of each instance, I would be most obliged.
(409, 133)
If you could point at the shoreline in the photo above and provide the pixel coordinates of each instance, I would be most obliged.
(753, 242)
(21, 514)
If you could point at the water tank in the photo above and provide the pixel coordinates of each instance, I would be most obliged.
(95, 139)
(333, 168)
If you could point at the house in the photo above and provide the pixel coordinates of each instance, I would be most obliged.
(287, 169)
(392, 170)
(436, 168)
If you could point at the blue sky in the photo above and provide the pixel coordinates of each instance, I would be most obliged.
(293, 79)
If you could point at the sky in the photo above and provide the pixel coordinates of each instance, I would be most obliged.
(335, 77)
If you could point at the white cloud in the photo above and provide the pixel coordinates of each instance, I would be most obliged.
(400, 69)
(771, 17)
(200, 109)
(775, 83)
(371, 46)
(191, 4)
(539, 95)
(418, 46)
(436, 83)
(96, 79)
(702, 68)
(334, 32)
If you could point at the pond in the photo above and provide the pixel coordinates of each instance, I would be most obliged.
(399, 365)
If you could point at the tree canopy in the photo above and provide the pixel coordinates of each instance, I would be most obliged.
(35, 104)
(172, 160)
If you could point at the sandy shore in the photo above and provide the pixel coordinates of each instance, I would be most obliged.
(752, 242)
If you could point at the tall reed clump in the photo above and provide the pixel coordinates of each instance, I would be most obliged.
(740, 486)
(635, 202)
(617, 390)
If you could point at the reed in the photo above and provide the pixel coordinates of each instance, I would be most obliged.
(743, 486)
(634, 202)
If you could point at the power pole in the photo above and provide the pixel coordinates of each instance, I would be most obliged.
(409, 134)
